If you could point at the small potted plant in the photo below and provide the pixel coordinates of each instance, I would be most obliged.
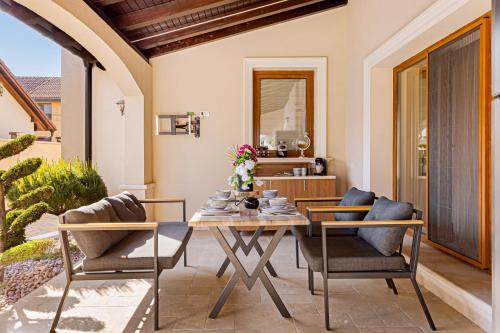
(244, 160)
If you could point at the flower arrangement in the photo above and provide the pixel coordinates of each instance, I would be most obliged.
(244, 160)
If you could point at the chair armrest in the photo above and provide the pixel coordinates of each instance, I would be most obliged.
(317, 199)
(108, 226)
(338, 209)
(163, 200)
(372, 224)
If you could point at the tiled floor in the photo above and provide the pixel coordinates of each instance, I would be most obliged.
(187, 295)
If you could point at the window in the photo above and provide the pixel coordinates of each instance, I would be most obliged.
(47, 109)
(283, 109)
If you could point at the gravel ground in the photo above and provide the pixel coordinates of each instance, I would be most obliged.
(23, 277)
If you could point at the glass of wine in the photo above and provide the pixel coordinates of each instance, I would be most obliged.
(303, 142)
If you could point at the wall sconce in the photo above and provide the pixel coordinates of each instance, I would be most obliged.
(121, 106)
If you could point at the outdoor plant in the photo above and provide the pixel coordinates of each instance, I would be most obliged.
(244, 160)
(75, 183)
(24, 209)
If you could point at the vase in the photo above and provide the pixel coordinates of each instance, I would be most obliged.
(249, 186)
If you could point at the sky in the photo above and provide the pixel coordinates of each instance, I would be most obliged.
(25, 51)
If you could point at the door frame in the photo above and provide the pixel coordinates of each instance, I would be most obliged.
(484, 200)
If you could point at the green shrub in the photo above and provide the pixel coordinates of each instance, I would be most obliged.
(74, 184)
(35, 249)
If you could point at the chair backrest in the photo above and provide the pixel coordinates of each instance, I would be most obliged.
(355, 197)
(94, 243)
(386, 240)
(124, 207)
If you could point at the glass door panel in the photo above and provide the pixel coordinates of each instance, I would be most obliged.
(412, 135)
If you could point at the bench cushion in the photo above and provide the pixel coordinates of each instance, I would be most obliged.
(348, 254)
(135, 252)
(95, 243)
(300, 231)
(386, 239)
(126, 209)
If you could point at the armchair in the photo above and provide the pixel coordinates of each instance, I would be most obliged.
(119, 244)
(375, 253)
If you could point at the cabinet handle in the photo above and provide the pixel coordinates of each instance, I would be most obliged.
(305, 187)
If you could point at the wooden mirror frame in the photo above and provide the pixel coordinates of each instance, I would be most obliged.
(282, 74)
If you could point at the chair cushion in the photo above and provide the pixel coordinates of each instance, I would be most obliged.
(122, 210)
(300, 231)
(355, 197)
(133, 210)
(386, 239)
(95, 243)
(348, 254)
(135, 252)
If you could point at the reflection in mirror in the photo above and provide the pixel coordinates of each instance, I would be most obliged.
(282, 111)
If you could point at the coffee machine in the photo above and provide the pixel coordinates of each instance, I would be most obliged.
(320, 167)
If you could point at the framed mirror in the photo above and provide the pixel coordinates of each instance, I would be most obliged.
(283, 109)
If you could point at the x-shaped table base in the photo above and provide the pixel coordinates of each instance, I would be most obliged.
(246, 248)
(241, 273)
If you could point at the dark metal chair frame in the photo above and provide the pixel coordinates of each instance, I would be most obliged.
(77, 274)
(409, 272)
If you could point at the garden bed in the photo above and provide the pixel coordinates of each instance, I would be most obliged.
(30, 266)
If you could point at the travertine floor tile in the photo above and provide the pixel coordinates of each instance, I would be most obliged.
(187, 295)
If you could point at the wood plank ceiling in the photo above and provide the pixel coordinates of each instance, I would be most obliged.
(156, 27)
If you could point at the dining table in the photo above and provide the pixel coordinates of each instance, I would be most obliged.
(280, 223)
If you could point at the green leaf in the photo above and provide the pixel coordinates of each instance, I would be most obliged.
(30, 215)
(41, 194)
(16, 146)
(20, 170)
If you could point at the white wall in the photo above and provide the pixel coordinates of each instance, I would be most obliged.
(72, 106)
(210, 78)
(13, 118)
(108, 129)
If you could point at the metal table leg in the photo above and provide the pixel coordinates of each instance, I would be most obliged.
(246, 248)
(241, 273)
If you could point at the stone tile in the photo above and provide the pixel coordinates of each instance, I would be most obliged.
(187, 295)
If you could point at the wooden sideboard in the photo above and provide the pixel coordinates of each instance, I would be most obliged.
(299, 187)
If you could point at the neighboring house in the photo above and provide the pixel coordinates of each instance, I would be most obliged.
(19, 113)
(46, 92)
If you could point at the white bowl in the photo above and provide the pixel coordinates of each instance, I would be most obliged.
(270, 193)
(264, 201)
(218, 203)
(278, 202)
(223, 194)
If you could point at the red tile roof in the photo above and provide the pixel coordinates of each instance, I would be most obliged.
(42, 122)
(42, 88)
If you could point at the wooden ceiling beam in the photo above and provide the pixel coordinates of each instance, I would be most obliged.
(159, 13)
(243, 27)
(246, 14)
(104, 3)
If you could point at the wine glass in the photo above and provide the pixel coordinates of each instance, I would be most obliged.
(303, 142)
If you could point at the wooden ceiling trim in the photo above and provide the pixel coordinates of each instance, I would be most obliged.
(246, 26)
(107, 2)
(247, 14)
(174, 9)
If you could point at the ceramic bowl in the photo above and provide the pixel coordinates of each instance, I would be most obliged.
(223, 194)
(264, 201)
(218, 203)
(278, 202)
(270, 194)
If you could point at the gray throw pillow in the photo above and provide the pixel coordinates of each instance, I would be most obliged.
(123, 211)
(355, 197)
(386, 239)
(133, 204)
(94, 243)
